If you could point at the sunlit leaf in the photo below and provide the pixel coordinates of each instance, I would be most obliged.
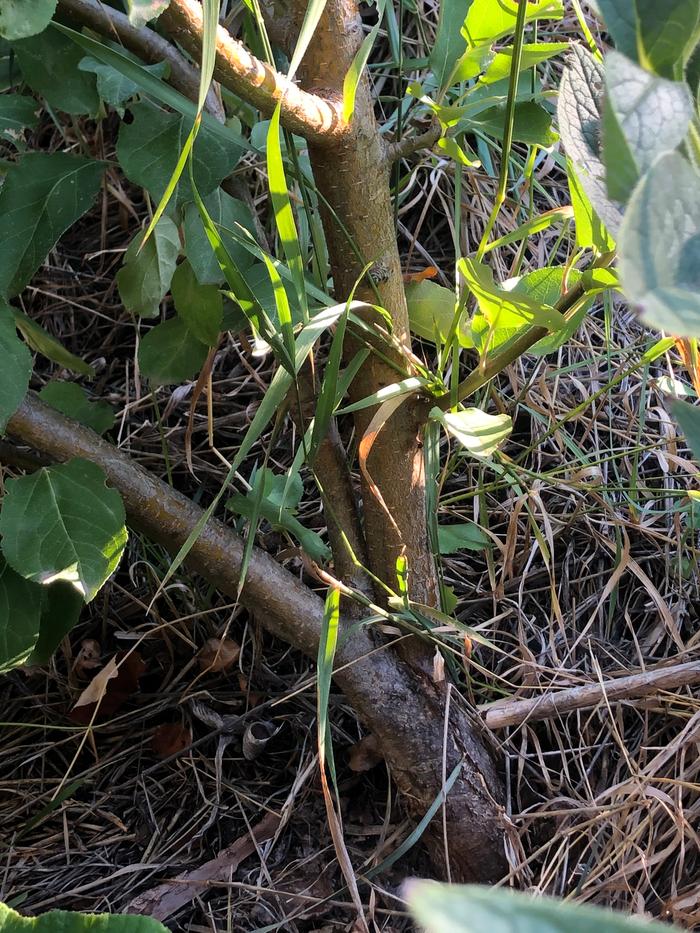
(478, 432)
(63, 921)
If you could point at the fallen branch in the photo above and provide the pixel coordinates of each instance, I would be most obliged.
(404, 711)
(310, 115)
(549, 705)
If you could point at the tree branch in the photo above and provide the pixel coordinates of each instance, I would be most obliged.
(557, 703)
(145, 43)
(407, 145)
(404, 712)
(310, 115)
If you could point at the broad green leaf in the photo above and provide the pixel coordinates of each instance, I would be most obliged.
(460, 152)
(148, 269)
(443, 908)
(688, 417)
(60, 611)
(148, 149)
(63, 921)
(466, 536)
(201, 307)
(659, 247)
(474, 61)
(547, 286)
(450, 44)
(73, 401)
(621, 21)
(532, 124)
(20, 619)
(502, 313)
(114, 87)
(43, 342)
(580, 125)
(49, 63)
(590, 230)
(143, 11)
(664, 32)
(431, 311)
(644, 116)
(15, 367)
(489, 20)
(170, 353)
(533, 54)
(16, 114)
(63, 523)
(225, 212)
(43, 195)
(479, 433)
(22, 18)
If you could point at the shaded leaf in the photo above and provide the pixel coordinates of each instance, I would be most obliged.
(16, 114)
(201, 307)
(49, 63)
(532, 124)
(466, 536)
(148, 269)
(43, 342)
(148, 149)
(226, 212)
(664, 32)
(20, 617)
(15, 367)
(114, 87)
(659, 247)
(170, 353)
(110, 688)
(688, 417)
(72, 400)
(63, 523)
(450, 44)
(22, 18)
(60, 611)
(621, 21)
(43, 195)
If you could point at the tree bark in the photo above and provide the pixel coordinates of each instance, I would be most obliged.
(393, 702)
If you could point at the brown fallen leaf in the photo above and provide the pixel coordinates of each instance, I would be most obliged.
(218, 654)
(171, 738)
(365, 754)
(88, 658)
(110, 688)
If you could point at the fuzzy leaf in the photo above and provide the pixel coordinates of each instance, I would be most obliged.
(145, 277)
(63, 523)
(478, 432)
(43, 195)
(659, 247)
(22, 18)
(64, 921)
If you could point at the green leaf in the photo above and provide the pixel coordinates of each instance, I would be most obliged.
(201, 307)
(20, 618)
(22, 18)
(688, 417)
(354, 72)
(49, 63)
(547, 286)
(15, 367)
(148, 269)
(16, 114)
(466, 536)
(143, 11)
(532, 124)
(450, 44)
(170, 353)
(63, 523)
(226, 212)
(63, 921)
(60, 611)
(43, 195)
(621, 21)
(42, 342)
(148, 149)
(533, 54)
(644, 117)
(488, 21)
(659, 247)
(478, 432)
(590, 230)
(580, 124)
(443, 908)
(114, 87)
(503, 312)
(664, 33)
(431, 311)
(73, 401)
